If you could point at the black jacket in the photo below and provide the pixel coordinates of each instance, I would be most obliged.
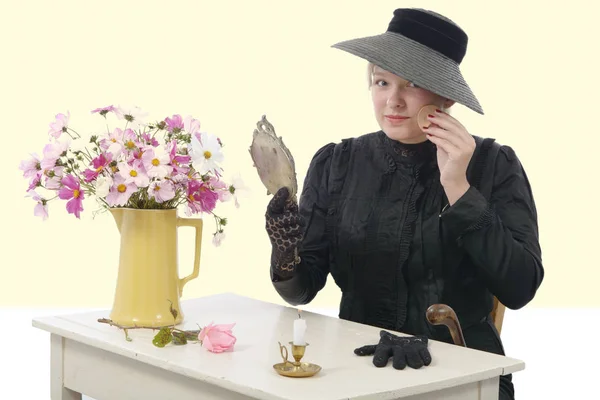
(378, 222)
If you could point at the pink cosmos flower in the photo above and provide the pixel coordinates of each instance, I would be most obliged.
(217, 338)
(156, 162)
(150, 140)
(52, 152)
(135, 155)
(41, 207)
(178, 161)
(35, 181)
(71, 191)
(174, 123)
(200, 198)
(30, 166)
(113, 142)
(134, 173)
(162, 190)
(54, 177)
(104, 110)
(120, 192)
(191, 125)
(59, 125)
(221, 188)
(99, 164)
(180, 181)
(130, 140)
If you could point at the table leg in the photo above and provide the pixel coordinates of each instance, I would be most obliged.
(489, 389)
(57, 390)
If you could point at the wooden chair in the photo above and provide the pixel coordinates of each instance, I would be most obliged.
(497, 314)
(443, 314)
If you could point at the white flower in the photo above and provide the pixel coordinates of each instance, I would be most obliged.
(218, 238)
(238, 188)
(191, 125)
(133, 114)
(206, 153)
(103, 184)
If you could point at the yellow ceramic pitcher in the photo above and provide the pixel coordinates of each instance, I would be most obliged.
(148, 280)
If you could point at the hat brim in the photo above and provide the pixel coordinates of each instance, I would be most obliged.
(416, 63)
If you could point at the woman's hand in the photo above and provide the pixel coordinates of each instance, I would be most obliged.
(285, 227)
(455, 147)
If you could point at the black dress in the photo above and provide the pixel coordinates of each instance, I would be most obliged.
(378, 221)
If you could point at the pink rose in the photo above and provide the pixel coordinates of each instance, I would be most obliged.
(217, 338)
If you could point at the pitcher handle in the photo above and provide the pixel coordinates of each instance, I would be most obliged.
(197, 224)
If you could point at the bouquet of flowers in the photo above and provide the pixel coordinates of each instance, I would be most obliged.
(161, 165)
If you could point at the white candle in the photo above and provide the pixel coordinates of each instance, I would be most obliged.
(299, 330)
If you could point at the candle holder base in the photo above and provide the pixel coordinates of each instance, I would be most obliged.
(295, 369)
(303, 370)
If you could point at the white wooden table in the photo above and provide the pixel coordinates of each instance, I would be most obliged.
(95, 359)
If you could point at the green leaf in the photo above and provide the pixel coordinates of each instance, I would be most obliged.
(179, 338)
(192, 335)
(174, 312)
(163, 337)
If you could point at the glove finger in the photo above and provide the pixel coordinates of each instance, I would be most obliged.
(291, 206)
(413, 359)
(289, 221)
(293, 235)
(277, 203)
(382, 355)
(365, 350)
(399, 358)
(386, 337)
(425, 356)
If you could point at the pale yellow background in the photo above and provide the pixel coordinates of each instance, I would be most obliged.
(532, 64)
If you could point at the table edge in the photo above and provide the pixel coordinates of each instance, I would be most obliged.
(50, 324)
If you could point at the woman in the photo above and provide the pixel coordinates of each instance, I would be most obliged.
(395, 216)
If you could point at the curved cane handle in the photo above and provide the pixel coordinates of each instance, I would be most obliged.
(443, 314)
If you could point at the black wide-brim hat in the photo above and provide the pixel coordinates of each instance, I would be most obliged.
(422, 47)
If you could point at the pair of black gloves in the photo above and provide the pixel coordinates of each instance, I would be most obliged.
(403, 350)
(285, 228)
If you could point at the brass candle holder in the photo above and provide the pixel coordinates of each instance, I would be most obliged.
(297, 368)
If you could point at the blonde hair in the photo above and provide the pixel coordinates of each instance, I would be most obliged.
(370, 68)
(370, 72)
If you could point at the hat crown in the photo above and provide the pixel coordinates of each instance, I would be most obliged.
(431, 29)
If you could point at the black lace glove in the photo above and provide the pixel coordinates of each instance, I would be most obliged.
(411, 350)
(284, 227)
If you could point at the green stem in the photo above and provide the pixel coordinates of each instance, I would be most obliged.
(78, 135)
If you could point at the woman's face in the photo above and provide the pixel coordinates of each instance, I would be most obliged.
(396, 103)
